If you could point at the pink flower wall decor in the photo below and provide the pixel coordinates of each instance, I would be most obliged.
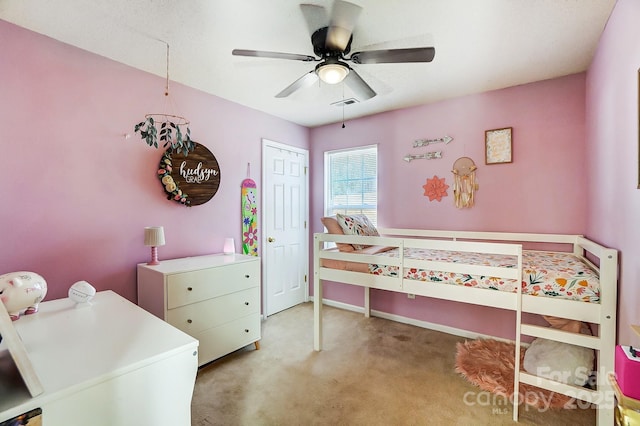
(435, 188)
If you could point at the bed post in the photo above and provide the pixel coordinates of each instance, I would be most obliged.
(367, 302)
(607, 334)
(317, 297)
(516, 369)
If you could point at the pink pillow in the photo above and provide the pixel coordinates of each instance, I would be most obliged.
(573, 326)
(374, 249)
(357, 224)
(334, 227)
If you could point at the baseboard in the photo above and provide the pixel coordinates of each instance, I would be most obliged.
(412, 321)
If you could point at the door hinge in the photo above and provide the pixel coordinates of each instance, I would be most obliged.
(305, 224)
(305, 170)
(305, 278)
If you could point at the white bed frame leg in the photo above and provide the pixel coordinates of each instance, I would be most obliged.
(317, 315)
(367, 302)
(605, 408)
(605, 366)
(317, 304)
(516, 369)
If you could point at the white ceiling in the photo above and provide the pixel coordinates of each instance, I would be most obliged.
(480, 45)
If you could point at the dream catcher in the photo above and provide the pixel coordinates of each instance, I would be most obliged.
(464, 182)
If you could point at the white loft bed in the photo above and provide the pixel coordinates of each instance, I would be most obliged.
(600, 259)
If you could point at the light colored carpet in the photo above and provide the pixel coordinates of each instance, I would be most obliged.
(372, 371)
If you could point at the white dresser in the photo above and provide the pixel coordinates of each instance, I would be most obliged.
(107, 364)
(214, 298)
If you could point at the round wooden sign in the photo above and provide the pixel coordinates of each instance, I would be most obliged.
(190, 180)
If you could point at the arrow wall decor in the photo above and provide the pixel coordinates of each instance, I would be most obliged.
(426, 156)
(424, 142)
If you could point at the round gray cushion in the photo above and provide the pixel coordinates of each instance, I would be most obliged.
(559, 361)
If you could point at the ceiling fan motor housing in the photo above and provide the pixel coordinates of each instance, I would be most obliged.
(319, 41)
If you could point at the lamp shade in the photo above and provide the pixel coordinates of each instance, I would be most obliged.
(154, 236)
(332, 73)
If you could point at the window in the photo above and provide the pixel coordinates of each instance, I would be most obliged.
(351, 182)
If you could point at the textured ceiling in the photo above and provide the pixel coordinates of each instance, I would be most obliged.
(480, 45)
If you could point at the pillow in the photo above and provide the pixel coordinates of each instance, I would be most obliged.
(357, 224)
(334, 227)
(374, 249)
(573, 326)
(559, 361)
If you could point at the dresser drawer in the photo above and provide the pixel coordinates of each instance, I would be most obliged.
(200, 316)
(219, 341)
(191, 287)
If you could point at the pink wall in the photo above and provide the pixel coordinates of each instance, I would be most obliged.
(543, 190)
(77, 195)
(612, 154)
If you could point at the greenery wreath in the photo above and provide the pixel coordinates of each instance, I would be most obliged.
(170, 186)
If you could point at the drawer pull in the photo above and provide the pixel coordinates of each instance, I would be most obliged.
(246, 303)
(247, 276)
(189, 321)
(246, 330)
(190, 288)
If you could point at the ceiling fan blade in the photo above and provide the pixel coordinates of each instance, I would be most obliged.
(415, 54)
(275, 55)
(315, 16)
(305, 81)
(362, 90)
(344, 16)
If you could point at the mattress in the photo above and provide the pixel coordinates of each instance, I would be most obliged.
(545, 273)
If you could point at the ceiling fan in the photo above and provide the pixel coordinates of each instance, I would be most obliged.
(332, 44)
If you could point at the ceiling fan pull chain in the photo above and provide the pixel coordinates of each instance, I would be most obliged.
(343, 105)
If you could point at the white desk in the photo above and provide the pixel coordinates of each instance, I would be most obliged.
(111, 363)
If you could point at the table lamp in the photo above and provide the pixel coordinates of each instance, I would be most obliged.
(154, 237)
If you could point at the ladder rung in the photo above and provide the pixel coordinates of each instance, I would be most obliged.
(584, 340)
(576, 392)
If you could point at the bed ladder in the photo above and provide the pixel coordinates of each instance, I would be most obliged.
(602, 397)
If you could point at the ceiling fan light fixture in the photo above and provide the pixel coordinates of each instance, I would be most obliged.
(332, 73)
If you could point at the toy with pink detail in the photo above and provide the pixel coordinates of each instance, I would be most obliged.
(22, 291)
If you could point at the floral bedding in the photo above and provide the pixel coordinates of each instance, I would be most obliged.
(547, 274)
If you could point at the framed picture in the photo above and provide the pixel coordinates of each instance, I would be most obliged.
(498, 146)
(18, 352)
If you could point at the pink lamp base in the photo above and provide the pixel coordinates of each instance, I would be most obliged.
(154, 256)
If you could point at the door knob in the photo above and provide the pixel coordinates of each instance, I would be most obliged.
(271, 239)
